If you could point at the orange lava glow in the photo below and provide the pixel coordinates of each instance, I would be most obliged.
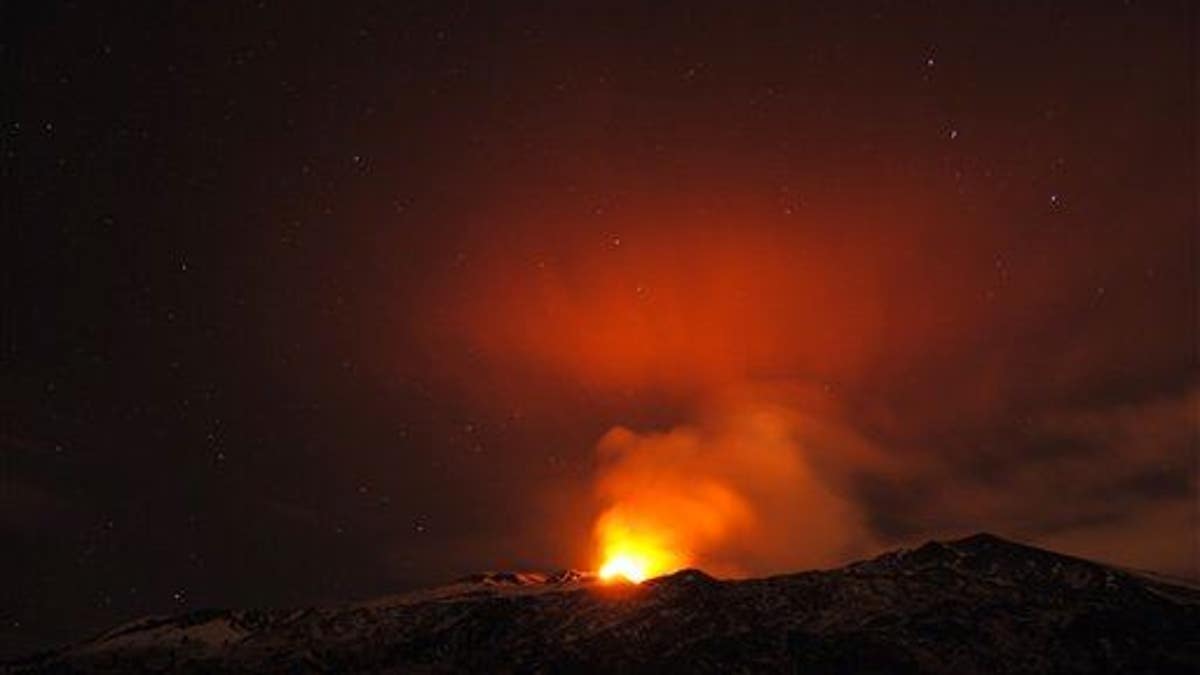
(632, 558)
(630, 567)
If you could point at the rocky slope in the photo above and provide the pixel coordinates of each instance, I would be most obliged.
(975, 605)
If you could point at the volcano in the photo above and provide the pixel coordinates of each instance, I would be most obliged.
(976, 605)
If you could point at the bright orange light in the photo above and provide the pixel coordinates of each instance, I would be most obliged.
(635, 552)
(624, 566)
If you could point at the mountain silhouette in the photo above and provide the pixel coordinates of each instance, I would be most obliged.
(981, 604)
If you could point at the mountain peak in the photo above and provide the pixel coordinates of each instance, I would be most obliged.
(986, 541)
(983, 539)
(980, 543)
(985, 557)
(688, 577)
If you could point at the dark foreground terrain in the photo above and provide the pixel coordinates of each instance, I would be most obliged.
(976, 605)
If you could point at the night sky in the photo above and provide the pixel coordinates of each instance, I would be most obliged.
(305, 305)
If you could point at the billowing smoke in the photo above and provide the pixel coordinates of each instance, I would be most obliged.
(755, 486)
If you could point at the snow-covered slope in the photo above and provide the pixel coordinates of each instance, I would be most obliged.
(976, 605)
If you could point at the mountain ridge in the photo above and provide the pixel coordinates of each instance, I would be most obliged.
(980, 603)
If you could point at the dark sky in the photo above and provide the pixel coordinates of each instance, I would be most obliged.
(303, 305)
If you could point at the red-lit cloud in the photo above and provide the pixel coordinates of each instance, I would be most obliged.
(931, 345)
